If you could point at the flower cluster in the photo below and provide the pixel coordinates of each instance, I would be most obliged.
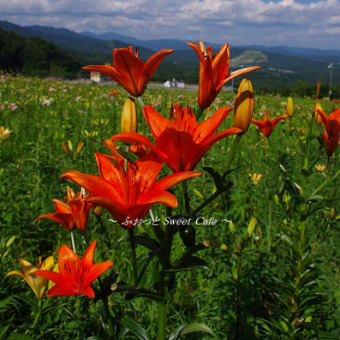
(128, 189)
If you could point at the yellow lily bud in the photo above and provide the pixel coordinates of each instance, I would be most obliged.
(317, 116)
(224, 247)
(69, 144)
(79, 147)
(65, 148)
(244, 106)
(37, 283)
(4, 133)
(129, 116)
(97, 210)
(290, 106)
(317, 91)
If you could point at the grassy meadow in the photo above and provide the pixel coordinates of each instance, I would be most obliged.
(269, 258)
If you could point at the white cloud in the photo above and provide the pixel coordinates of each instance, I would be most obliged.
(242, 21)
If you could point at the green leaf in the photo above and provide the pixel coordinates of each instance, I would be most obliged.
(190, 263)
(133, 292)
(288, 240)
(142, 265)
(10, 241)
(251, 226)
(337, 295)
(314, 198)
(5, 301)
(5, 328)
(129, 155)
(148, 242)
(18, 336)
(216, 177)
(284, 326)
(191, 328)
(135, 328)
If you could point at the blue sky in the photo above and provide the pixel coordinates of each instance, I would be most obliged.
(303, 23)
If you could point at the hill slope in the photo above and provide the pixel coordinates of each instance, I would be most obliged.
(35, 57)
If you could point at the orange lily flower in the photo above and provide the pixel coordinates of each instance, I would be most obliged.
(129, 71)
(74, 276)
(74, 211)
(180, 142)
(214, 72)
(267, 125)
(128, 190)
(332, 130)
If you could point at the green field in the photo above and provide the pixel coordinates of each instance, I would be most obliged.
(270, 273)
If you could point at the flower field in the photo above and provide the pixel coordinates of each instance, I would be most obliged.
(241, 242)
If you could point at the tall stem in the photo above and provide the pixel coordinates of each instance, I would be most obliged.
(72, 242)
(233, 151)
(37, 314)
(133, 254)
(107, 238)
(162, 286)
(186, 197)
(325, 183)
(162, 308)
(199, 114)
(238, 294)
(140, 101)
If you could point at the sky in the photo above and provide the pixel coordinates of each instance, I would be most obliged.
(301, 23)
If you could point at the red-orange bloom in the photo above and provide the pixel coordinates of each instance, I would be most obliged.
(130, 71)
(332, 130)
(214, 72)
(267, 125)
(180, 142)
(73, 211)
(128, 194)
(75, 276)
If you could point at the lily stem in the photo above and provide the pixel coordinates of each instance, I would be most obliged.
(232, 152)
(133, 254)
(199, 114)
(107, 238)
(162, 309)
(141, 101)
(325, 183)
(72, 242)
(186, 197)
(37, 314)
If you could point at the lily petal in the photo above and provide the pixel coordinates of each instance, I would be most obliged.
(156, 122)
(210, 125)
(96, 270)
(154, 197)
(96, 185)
(170, 180)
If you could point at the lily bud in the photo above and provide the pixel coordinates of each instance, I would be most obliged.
(290, 106)
(244, 106)
(317, 116)
(129, 116)
(97, 210)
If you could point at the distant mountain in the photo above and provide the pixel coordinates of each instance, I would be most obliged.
(155, 45)
(114, 36)
(35, 57)
(308, 53)
(70, 40)
(250, 57)
(281, 66)
(181, 45)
